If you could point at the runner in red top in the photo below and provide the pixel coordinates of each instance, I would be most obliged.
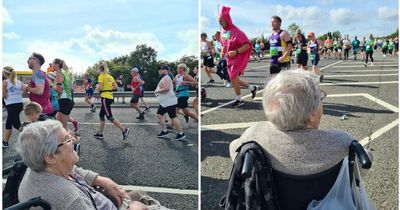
(136, 86)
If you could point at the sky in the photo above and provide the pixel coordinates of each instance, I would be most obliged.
(84, 32)
(352, 17)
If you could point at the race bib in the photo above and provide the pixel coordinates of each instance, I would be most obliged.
(368, 46)
(273, 51)
(312, 56)
(226, 35)
(298, 51)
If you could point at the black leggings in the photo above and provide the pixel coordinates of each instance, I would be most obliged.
(346, 54)
(370, 55)
(13, 111)
(106, 109)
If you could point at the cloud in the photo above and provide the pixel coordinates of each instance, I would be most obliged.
(16, 60)
(11, 36)
(191, 40)
(387, 13)
(6, 17)
(343, 16)
(204, 21)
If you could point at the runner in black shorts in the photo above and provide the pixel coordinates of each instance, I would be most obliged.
(301, 50)
(207, 54)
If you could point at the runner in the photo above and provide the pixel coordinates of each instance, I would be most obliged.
(335, 48)
(12, 95)
(385, 47)
(315, 47)
(328, 46)
(168, 101)
(280, 47)
(237, 48)
(301, 50)
(396, 45)
(195, 102)
(222, 69)
(63, 88)
(120, 87)
(369, 50)
(257, 48)
(346, 47)
(147, 107)
(217, 46)
(362, 47)
(39, 87)
(340, 47)
(391, 47)
(183, 80)
(87, 82)
(136, 86)
(206, 53)
(52, 76)
(355, 45)
(106, 85)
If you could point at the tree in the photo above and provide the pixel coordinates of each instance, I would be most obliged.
(292, 28)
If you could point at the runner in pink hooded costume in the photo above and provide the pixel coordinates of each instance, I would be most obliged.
(237, 48)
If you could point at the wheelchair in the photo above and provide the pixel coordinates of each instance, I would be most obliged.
(286, 192)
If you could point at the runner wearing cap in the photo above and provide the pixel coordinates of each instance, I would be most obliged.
(301, 50)
(166, 96)
(106, 85)
(183, 81)
(315, 47)
(136, 86)
(237, 48)
(280, 47)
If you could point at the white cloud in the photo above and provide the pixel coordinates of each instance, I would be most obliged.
(11, 35)
(6, 17)
(204, 21)
(80, 53)
(343, 16)
(16, 60)
(387, 13)
(191, 40)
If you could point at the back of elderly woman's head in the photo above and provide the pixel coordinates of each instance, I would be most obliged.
(36, 141)
(290, 98)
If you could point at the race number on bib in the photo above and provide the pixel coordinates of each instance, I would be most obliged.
(273, 51)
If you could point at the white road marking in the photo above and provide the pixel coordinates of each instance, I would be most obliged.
(358, 83)
(352, 71)
(362, 66)
(337, 62)
(152, 189)
(379, 132)
(248, 124)
(359, 75)
(350, 62)
(144, 124)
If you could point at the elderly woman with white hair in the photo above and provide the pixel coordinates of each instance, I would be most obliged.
(47, 149)
(294, 143)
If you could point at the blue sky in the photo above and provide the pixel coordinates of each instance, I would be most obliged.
(353, 17)
(83, 32)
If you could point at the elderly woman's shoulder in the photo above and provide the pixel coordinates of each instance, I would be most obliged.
(340, 135)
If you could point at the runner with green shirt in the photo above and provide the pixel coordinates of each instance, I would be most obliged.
(385, 47)
(355, 44)
(391, 47)
(369, 49)
(335, 48)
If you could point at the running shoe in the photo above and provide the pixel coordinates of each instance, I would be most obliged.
(211, 81)
(237, 103)
(162, 134)
(186, 118)
(180, 137)
(372, 64)
(147, 109)
(365, 64)
(99, 136)
(93, 108)
(321, 78)
(125, 133)
(5, 144)
(228, 85)
(254, 91)
(76, 125)
(141, 116)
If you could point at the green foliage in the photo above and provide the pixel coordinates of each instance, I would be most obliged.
(292, 28)
(145, 59)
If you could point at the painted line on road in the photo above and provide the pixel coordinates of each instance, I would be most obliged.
(358, 83)
(362, 66)
(379, 132)
(144, 124)
(352, 71)
(248, 124)
(350, 62)
(152, 189)
(260, 91)
(359, 75)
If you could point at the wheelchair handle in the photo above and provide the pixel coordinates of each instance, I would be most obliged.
(247, 165)
(34, 202)
(361, 154)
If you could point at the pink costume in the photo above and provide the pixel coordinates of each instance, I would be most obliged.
(233, 38)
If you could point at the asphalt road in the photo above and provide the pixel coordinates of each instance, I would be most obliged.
(166, 169)
(369, 95)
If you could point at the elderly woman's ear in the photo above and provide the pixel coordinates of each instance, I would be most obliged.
(49, 160)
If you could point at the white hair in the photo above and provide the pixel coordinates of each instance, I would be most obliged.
(36, 141)
(290, 98)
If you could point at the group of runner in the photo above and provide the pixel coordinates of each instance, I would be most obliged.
(236, 49)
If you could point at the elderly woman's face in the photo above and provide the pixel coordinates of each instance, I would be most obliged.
(65, 149)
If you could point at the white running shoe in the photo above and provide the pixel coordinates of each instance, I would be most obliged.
(228, 85)
(372, 64)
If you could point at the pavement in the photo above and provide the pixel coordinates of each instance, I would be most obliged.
(369, 96)
(165, 168)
